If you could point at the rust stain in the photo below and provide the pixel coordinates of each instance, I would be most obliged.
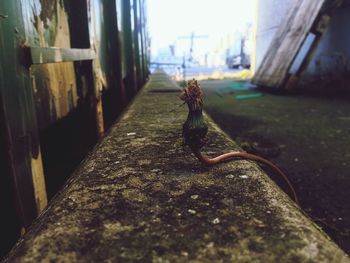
(99, 117)
(39, 183)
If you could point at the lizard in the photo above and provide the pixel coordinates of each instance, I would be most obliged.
(195, 129)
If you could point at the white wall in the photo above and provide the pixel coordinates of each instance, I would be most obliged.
(270, 15)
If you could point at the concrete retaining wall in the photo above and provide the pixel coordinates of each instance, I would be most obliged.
(141, 197)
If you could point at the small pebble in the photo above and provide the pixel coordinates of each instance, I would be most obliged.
(216, 221)
(268, 211)
(131, 133)
(230, 176)
(194, 197)
(184, 254)
(211, 244)
(191, 211)
(243, 176)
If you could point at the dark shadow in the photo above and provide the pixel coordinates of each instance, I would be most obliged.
(10, 225)
(64, 145)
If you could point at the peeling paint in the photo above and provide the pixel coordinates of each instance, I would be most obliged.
(55, 84)
(55, 90)
(99, 117)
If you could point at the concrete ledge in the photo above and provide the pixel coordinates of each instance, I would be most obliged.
(141, 197)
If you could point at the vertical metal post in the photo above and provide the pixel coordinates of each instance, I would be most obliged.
(143, 44)
(136, 44)
(113, 96)
(130, 83)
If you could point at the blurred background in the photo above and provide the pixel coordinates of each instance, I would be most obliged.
(201, 38)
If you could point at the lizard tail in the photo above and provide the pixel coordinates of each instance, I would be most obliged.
(220, 158)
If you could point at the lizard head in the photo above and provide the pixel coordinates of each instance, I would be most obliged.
(194, 130)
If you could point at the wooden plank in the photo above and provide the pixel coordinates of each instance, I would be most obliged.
(42, 55)
(287, 42)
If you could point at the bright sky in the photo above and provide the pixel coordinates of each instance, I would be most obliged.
(169, 19)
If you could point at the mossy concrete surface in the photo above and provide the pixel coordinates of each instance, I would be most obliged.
(140, 196)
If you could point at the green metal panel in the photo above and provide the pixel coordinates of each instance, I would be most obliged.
(143, 46)
(18, 111)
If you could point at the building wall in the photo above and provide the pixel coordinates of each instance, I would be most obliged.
(333, 53)
(331, 58)
(270, 14)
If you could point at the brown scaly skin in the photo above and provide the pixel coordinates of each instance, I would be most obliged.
(195, 130)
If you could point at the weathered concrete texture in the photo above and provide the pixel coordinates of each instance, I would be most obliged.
(141, 197)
